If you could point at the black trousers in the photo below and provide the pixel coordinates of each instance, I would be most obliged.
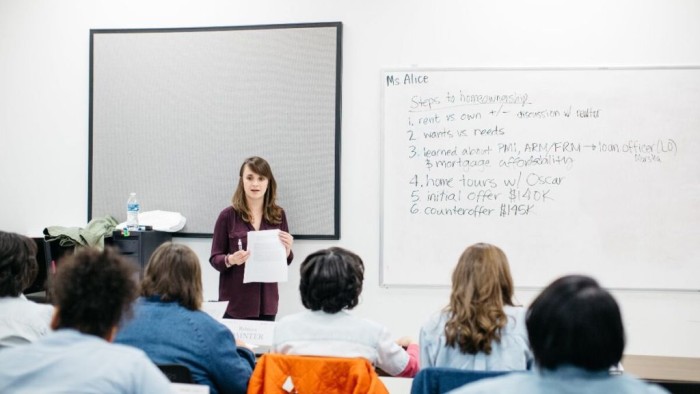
(261, 317)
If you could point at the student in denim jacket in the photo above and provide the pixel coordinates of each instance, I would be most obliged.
(170, 327)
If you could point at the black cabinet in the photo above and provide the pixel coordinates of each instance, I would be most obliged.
(138, 245)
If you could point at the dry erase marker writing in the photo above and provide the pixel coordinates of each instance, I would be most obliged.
(240, 244)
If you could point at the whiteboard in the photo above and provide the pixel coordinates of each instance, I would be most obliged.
(590, 171)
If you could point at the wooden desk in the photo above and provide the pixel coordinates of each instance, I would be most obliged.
(663, 368)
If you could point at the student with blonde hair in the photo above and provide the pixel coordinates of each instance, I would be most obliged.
(481, 328)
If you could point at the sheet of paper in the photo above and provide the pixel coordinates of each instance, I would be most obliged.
(256, 334)
(268, 258)
(215, 309)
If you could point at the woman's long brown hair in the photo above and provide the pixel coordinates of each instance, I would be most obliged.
(173, 273)
(481, 287)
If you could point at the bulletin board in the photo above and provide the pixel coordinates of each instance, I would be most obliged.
(174, 112)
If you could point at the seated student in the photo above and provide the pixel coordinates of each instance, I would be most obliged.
(170, 327)
(576, 333)
(92, 290)
(480, 329)
(21, 321)
(331, 281)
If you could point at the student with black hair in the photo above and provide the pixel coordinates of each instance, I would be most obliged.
(331, 282)
(21, 320)
(92, 291)
(576, 333)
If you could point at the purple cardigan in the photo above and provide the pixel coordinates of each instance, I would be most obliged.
(245, 300)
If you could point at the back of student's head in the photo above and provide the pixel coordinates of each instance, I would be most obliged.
(93, 290)
(481, 287)
(173, 273)
(576, 322)
(331, 280)
(18, 265)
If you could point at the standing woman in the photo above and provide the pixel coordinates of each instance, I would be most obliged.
(481, 329)
(254, 207)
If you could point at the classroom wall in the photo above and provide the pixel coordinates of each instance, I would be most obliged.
(44, 69)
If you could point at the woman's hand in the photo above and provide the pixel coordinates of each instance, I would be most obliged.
(287, 241)
(238, 258)
(405, 341)
(240, 343)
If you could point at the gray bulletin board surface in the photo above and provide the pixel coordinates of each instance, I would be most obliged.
(592, 171)
(174, 112)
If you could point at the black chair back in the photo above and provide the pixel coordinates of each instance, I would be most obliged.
(177, 373)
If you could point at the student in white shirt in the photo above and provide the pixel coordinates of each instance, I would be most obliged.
(331, 282)
(21, 321)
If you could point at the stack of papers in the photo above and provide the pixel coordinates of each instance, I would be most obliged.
(268, 258)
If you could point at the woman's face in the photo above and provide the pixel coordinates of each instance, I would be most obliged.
(254, 185)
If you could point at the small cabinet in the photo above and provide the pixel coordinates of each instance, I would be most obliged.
(138, 245)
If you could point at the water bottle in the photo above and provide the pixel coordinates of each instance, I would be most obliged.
(132, 212)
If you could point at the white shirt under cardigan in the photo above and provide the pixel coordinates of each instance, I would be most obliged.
(316, 333)
(23, 321)
(511, 353)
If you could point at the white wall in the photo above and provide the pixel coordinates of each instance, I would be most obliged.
(44, 69)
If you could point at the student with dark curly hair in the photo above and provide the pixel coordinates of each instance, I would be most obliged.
(92, 291)
(331, 282)
(576, 333)
(171, 328)
(481, 328)
(21, 321)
